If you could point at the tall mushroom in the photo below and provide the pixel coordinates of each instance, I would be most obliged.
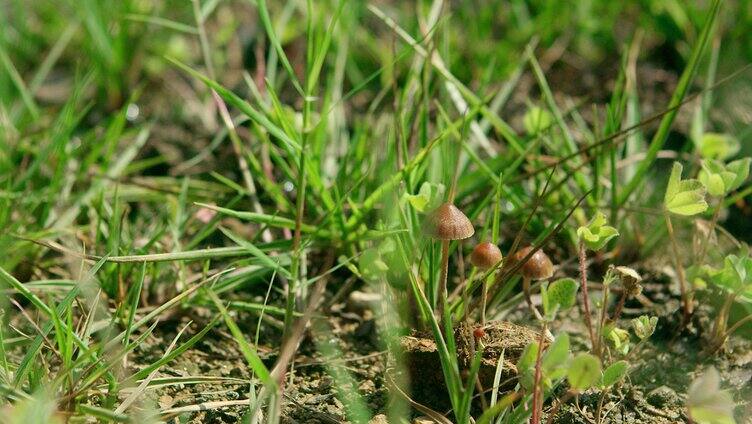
(447, 223)
(485, 256)
(538, 267)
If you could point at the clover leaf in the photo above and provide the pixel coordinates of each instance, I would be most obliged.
(584, 372)
(735, 276)
(684, 197)
(718, 146)
(707, 403)
(614, 373)
(596, 233)
(720, 179)
(559, 295)
(644, 326)
(428, 198)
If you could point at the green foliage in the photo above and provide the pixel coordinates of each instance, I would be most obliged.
(707, 403)
(721, 179)
(584, 372)
(559, 296)
(644, 326)
(717, 146)
(614, 374)
(684, 197)
(617, 337)
(596, 233)
(554, 362)
(735, 277)
(537, 119)
(430, 196)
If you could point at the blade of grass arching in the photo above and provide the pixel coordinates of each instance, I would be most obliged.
(548, 96)
(134, 296)
(177, 300)
(245, 107)
(271, 220)
(685, 81)
(98, 369)
(186, 255)
(499, 125)
(467, 394)
(700, 116)
(18, 82)
(310, 166)
(370, 202)
(274, 41)
(506, 402)
(128, 401)
(497, 378)
(49, 62)
(161, 22)
(249, 353)
(113, 173)
(314, 71)
(103, 414)
(256, 252)
(33, 349)
(6, 371)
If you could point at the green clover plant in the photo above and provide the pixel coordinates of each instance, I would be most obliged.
(593, 236)
(684, 198)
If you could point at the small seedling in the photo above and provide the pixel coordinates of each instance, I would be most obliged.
(593, 236)
(707, 403)
(735, 280)
(720, 179)
(684, 198)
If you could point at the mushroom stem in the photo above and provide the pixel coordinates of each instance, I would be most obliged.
(443, 280)
(529, 299)
(483, 305)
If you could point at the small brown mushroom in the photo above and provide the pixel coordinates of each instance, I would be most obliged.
(485, 256)
(538, 267)
(447, 223)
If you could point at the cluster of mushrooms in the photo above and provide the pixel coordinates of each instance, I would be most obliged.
(447, 223)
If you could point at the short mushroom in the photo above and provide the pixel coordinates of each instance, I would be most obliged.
(485, 256)
(447, 223)
(538, 267)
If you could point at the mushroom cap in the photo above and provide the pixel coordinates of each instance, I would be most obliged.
(485, 255)
(448, 223)
(538, 267)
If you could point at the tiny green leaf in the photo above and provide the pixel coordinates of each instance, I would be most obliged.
(560, 295)
(707, 403)
(584, 371)
(644, 326)
(735, 276)
(536, 119)
(556, 356)
(614, 373)
(596, 233)
(428, 198)
(684, 197)
(721, 179)
(718, 146)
